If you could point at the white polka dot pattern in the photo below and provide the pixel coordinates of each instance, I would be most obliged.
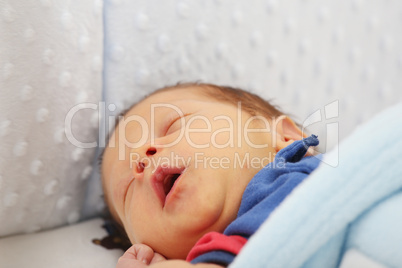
(303, 54)
(50, 60)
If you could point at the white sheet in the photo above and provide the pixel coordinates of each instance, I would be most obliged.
(355, 259)
(68, 247)
(71, 247)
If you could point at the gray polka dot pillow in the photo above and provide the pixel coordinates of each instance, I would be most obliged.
(50, 61)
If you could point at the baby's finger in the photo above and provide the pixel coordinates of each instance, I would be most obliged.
(143, 253)
(130, 263)
(157, 258)
(139, 252)
(130, 254)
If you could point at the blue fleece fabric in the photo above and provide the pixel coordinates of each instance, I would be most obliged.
(265, 192)
(271, 185)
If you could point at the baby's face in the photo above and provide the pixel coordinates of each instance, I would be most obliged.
(174, 171)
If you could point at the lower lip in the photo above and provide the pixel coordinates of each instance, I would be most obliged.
(158, 188)
(170, 196)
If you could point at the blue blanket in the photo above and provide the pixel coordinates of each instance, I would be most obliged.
(357, 204)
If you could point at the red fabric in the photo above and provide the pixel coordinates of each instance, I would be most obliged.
(216, 241)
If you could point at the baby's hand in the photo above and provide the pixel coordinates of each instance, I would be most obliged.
(139, 255)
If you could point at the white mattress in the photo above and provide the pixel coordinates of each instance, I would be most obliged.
(70, 247)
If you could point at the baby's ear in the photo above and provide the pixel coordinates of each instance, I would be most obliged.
(287, 132)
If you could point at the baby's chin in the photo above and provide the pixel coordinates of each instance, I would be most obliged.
(177, 248)
(172, 242)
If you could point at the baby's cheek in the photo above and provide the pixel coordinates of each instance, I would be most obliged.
(138, 227)
(203, 210)
(133, 239)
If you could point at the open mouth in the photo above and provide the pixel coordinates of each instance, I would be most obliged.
(169, 181)
(164, 181)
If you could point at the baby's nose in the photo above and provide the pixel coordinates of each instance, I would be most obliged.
(142, 158)
(151, 151)
(140, 167)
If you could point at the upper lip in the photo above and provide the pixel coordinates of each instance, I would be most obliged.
(163, 180)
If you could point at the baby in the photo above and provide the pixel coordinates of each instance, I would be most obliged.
(193, 170)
